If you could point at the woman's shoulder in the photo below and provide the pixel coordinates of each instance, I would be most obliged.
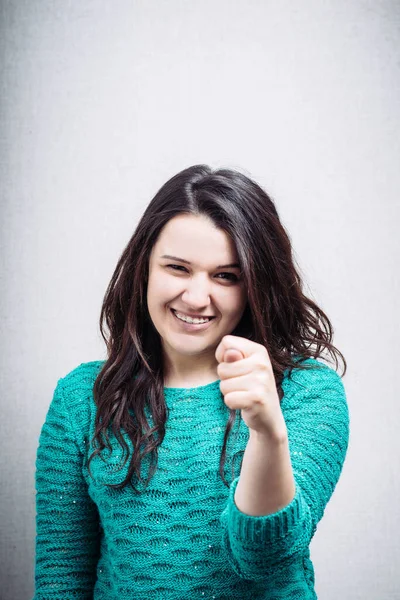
(81, 377)
(316, 375)
(76, 391)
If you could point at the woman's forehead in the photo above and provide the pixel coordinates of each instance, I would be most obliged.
(194, 238)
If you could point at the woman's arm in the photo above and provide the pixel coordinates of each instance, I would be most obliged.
(266, 482)
(317, 419)
(67, 522)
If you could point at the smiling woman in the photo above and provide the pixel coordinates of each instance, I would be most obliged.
(208, 328)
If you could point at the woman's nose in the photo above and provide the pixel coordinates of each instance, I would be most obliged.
(197, 294)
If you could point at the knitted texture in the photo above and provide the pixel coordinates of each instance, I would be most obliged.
(183, 537)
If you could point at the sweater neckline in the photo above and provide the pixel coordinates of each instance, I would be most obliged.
(199, 388)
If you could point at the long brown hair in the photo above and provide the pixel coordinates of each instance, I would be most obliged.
(278, 314)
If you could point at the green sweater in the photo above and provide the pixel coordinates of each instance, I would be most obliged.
(183, 537)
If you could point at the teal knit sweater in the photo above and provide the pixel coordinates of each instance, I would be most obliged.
(183, 537)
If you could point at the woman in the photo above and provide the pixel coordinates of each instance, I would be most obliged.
(141, 490)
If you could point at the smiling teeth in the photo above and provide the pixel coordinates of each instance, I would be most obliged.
(190, 320)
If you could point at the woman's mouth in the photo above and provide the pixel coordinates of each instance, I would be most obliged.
(189, 324)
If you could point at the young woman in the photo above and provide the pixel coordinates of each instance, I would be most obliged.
(143, 489)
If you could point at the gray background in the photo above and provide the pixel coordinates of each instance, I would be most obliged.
(102, 102)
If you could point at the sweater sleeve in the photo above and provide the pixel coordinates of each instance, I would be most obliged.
(317, 420)
(67, 522)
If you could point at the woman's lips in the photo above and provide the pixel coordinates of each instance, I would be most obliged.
(192, 326)
(181, 312)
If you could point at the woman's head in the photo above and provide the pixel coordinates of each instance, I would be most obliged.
(209, 218)
(213, 218)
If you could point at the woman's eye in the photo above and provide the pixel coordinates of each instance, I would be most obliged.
(174, 267)
(228, 276)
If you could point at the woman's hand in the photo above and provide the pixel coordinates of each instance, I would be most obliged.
(248, 384)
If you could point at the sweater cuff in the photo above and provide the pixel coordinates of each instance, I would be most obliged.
(273, 526)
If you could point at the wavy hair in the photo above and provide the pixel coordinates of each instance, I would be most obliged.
(278, 314)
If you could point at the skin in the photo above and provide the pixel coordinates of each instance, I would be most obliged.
(200, 288)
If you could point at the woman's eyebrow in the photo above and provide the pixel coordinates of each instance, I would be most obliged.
(231, 266)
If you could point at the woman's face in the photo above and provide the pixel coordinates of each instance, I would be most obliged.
(203, 286)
